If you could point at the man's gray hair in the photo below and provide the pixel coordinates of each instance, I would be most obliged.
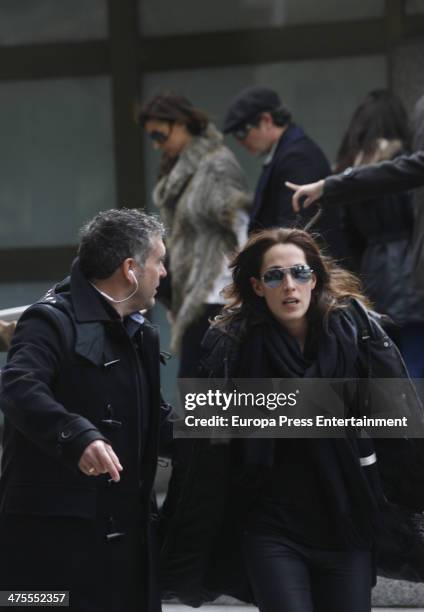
(114, 235)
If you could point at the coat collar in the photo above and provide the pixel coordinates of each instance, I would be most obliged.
(291, 135)
(93, 315)
(171, 185)
(89, 305)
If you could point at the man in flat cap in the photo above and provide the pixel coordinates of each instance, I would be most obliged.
(263, 125)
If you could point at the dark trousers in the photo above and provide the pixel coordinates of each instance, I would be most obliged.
(191, 341)
(289, 577)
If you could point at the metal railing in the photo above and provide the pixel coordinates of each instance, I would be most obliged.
(11, 314)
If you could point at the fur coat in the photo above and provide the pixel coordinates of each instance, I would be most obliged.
(199, 200)
(6, 332)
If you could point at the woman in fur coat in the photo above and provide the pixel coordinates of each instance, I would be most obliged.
(202, 197)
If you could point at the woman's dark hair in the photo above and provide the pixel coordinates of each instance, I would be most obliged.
(380, 115)
(334, 285)
(173, 108)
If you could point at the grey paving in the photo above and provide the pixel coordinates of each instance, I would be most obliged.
(387, 596)
(239, 608)
(397, 593)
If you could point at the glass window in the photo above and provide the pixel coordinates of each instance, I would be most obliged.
(56, 155)
(413, 7)
(38, 21)
(13, 295)
(164, 17)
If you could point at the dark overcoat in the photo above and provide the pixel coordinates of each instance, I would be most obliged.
(212, 488)
(297, 158)
(75, 375)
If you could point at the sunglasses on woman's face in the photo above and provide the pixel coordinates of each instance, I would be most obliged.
(158, 137)
(300, 273)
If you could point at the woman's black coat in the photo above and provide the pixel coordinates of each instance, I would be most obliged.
(200, 556)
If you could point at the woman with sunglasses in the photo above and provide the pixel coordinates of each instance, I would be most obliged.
(298, 514)
(202, 196)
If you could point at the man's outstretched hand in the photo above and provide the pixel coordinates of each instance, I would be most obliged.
(305, 195)
(99, 458)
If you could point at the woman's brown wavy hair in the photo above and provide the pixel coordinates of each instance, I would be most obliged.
(334, 285)
(171, 107)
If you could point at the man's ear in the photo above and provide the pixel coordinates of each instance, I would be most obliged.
(267, 119)
(126, 266)
(257, 286)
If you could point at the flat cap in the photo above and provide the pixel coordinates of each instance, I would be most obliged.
(248, 104)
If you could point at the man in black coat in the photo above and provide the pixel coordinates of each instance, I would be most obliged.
(81, 398)
(263, 125)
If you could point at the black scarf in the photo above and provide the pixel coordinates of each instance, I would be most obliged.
(330, 352)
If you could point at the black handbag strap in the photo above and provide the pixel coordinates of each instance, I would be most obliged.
(363, 326)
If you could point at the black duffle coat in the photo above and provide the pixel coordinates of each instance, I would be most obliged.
(73, 376)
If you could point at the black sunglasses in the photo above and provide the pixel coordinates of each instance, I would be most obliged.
(300, 273)
(158, 137)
